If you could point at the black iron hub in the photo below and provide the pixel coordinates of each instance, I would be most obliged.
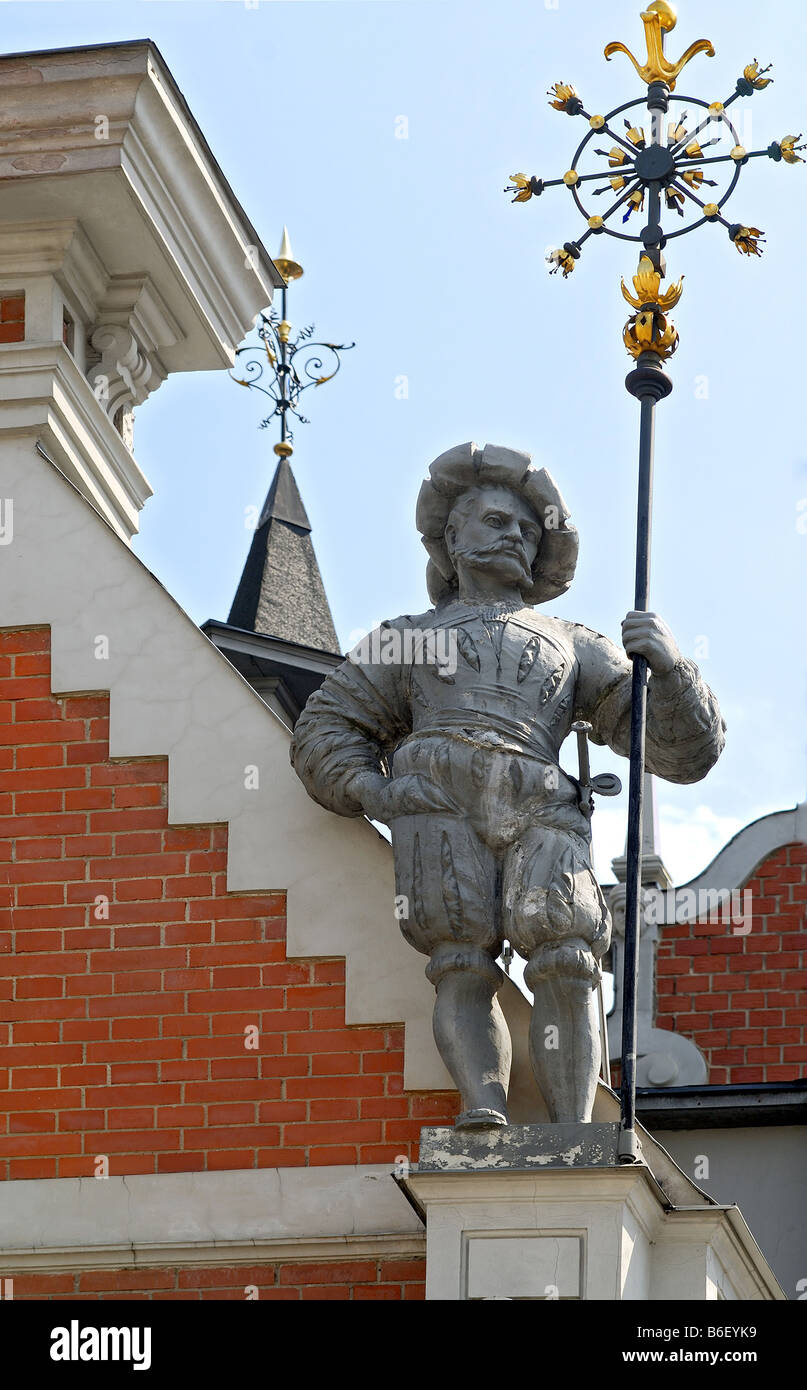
(655, 164)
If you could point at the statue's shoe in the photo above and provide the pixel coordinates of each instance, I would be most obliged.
(479, 1119)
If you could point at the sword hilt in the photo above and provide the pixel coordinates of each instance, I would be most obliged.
(604, 784)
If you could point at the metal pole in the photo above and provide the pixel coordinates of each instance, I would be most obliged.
(649, 384)
(628, 1145)
(283, 372)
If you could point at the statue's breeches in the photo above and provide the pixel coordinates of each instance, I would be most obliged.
(553, 912)
(510, 862)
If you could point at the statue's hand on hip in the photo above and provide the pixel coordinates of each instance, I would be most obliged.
(385, 798)
(647, 635)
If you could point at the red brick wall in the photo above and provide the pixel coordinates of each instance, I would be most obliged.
(359, 1280)
(742, 998)
(12, 318)
(125, 1037)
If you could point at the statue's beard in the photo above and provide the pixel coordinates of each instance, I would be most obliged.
(485, 557)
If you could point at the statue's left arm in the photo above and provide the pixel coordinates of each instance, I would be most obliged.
(685, 729)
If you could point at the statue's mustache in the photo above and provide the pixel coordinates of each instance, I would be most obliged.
(499, 547)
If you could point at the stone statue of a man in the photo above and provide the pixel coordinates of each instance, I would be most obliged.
(447, 727)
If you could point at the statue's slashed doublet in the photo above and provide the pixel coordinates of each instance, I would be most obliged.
(489, 841)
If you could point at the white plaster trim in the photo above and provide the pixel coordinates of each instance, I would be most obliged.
(45, 395)
(737, 861)
(542, 1186)
(389, 1246)
(727, 1232)
(204, 1218)
(61, 248)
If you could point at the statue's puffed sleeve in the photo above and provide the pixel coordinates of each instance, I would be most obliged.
(684, 725)
(357, 716)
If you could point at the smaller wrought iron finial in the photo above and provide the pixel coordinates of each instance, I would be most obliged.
(565, 98)
(753, 79)
(285, 262)
(787, 149)
(658, 19)
(283, 365)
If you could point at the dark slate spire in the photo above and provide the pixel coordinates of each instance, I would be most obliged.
(281, 593)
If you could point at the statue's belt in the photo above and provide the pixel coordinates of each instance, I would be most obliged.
(499, 735)
(494, 734)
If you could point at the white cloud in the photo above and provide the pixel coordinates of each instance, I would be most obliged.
(688, 838)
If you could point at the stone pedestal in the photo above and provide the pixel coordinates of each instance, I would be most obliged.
(545, 1212)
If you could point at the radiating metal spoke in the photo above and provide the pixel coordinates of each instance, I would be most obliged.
(624, 198)
(704, 125)
(693, 198)
(626, 144)
(622, 170)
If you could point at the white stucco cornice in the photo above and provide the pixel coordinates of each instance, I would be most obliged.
(104, 136)
(125, 240)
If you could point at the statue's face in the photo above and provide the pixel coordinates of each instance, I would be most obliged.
(494, 530)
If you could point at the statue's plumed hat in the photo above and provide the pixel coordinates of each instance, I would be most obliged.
(466, 466)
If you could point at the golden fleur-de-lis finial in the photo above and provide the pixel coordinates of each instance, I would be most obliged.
(658, 18)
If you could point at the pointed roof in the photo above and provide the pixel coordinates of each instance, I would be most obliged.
(281, 593)
(283, 500)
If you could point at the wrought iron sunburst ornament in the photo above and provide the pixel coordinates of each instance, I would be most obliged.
(282, 366)
(666, 165)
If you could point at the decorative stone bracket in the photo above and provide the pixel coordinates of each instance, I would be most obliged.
(121, 379)
(133, 324)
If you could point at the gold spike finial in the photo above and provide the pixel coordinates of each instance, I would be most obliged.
(285, 262)
(659, 18)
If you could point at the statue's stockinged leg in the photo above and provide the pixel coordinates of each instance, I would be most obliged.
(470, 1031)
(564, 1030)
(555, 916)
(448, 879)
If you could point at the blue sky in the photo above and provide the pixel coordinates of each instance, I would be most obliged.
(412, 249)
